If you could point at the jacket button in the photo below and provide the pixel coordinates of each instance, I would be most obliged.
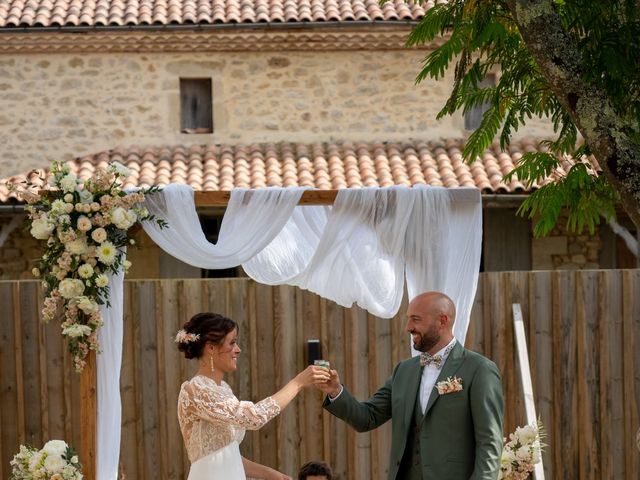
(398, 463)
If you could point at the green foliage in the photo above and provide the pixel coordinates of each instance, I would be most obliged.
(482, 38)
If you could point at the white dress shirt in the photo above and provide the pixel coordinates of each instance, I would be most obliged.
(430, 374)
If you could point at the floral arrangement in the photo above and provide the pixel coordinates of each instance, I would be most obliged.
(56, 461)
(450, 385)
(86, 226)
(521, 452)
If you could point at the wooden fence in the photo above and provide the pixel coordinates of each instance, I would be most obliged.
(583, 330)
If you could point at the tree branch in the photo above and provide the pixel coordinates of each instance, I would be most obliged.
(557, 55)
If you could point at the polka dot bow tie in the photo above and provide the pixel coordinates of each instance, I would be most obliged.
(426, 359)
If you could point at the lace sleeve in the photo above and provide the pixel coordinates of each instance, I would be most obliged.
(218, 405)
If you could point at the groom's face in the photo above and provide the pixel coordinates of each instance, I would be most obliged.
(423, 326)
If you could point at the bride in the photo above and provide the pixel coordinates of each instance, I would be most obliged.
(212, 420)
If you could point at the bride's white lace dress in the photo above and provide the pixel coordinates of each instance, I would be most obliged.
(213, 422)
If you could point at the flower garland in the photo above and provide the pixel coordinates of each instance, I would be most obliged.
(86, 225)
(521, 452)
(55, 461)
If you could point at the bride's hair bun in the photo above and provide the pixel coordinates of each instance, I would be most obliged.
(203, 328)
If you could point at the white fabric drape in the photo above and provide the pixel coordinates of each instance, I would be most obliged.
(360, 251)
(253, 218)
(108, 364)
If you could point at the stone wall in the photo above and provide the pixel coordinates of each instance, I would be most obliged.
(564, 250)
(62, 106)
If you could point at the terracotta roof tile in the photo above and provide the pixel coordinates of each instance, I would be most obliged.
(61, 13)
(321, 165)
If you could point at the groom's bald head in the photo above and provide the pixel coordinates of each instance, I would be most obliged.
(437, 304)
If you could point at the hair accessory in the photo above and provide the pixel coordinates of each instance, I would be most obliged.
(184, 337)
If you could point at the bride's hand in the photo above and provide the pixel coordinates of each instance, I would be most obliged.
(313, 375)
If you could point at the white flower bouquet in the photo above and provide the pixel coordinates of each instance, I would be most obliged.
(521, 452)
(56, 461)
(86, 225)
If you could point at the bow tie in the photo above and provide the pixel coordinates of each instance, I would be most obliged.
(435, 360)
(426, 359)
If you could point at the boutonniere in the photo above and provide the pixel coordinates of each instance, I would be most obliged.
(450, 385)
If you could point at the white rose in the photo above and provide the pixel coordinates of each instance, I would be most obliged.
(55, 447)
(120, 169)
(54, 463)
(69, 182)
(102, 280)
(68, 207)
(526, 434)
(99, 235)
(77, 330)
(77, 246)
(71, 287)
(87, 305)
(86, 196)
(84, 224)
(68, 198)
(119, 218)
(41, 228)
(85, 270)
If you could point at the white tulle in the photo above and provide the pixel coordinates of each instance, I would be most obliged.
(359, 251)
(108, 364)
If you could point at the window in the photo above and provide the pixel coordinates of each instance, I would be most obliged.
(473, 117)
(196, 105)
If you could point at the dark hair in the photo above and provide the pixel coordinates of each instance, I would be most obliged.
(314, 468)
(211, 328)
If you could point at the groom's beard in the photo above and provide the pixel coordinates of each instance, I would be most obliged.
(427, 341)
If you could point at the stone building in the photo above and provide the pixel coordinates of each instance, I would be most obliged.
(224, 93)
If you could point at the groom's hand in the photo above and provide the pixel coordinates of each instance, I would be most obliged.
(333, 386)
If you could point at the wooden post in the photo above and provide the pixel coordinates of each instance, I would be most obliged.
(88, 417)
(525, 377)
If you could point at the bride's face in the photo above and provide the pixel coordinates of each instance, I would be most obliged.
(226, 356)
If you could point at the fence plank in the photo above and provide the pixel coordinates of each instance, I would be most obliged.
(286, 368)
(587, 373)
(128, 391)
(267, 378)
(631, 326)
(29, 323)
(615, 379)
(9, 438)
(333, 316)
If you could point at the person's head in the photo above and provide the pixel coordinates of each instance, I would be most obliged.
(430, 319)
(315, 471)
(212, 338)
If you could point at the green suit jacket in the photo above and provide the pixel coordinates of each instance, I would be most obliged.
(461, 432)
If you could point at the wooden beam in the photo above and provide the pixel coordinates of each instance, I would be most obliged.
(309, 197)
(525, 377)
(88, 417)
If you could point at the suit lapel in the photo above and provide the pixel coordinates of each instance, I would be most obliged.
(450, 367)
(415, 374)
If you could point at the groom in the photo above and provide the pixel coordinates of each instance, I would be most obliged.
(446, 405)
